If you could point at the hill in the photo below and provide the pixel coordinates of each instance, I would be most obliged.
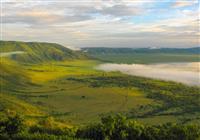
(55, 94)
(195, 50)
(37, 52)
(145, 55)
(11, 75)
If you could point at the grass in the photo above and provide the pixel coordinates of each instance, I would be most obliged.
(82, 104)
(50, 71)
(35, 52)
(14, 104)
(75, 102)
(75, 93)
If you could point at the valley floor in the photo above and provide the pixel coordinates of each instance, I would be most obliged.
(75, 93)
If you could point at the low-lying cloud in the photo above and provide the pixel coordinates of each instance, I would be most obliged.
(5, 54)
(187, 73)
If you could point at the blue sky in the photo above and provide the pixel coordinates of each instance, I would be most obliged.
(102, 23)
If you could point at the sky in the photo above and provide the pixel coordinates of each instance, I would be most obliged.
(102, 23)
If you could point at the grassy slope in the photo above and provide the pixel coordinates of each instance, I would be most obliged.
(64, 99)
(80, 102)
(11, 103)
(11, 74)
(55, 88)
(76, 102)
(38, 52)
(13, 78)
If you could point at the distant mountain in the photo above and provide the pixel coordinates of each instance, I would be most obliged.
(144, 55)
(37, 52)
(195, 50)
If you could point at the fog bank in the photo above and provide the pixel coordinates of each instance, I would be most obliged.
(4, 54)
(187, 73)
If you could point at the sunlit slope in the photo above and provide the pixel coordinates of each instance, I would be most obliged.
(73, 92)
(12, 76)
(38, 72)
(48, 88)
(38, 52)
(11, 103)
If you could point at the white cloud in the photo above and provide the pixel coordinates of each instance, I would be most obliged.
(184, 3)
(97, 23)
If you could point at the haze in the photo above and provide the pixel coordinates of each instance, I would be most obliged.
(187, 73)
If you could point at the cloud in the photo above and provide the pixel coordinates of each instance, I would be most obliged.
(187, 74)
(50, 12)
(99, 23)
(80, 35)
(35, 16)
(73, 48)
(121, 10)
(184, 3)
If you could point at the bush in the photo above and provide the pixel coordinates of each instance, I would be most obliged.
(111, 127)
(12, 125)
(52, 130)
(119, 128)
(40, 136)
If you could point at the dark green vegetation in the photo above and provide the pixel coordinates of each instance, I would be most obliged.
(145, 55)
(170, 99)
(60, 98)
(110, 128)
(195, 50)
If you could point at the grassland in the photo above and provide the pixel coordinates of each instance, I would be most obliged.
(74, 102)
(75, 93)
(35, 52)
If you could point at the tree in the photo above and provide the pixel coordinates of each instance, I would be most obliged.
(12, 125)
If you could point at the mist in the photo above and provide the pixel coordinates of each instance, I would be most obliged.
(187, 73)
(5, 54)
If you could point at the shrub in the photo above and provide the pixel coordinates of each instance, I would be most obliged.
(12, 125)
(119, 128)
(40, 136)
(52, 130)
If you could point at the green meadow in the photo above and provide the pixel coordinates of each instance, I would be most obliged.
(75, 93)
(52, 92)
(72, 93)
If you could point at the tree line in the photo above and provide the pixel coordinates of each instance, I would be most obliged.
(111, 127)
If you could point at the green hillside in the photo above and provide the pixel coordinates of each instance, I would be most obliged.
(66, 88)
(38, 52)
(11, 75)
(12, 79)
(56, 94)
